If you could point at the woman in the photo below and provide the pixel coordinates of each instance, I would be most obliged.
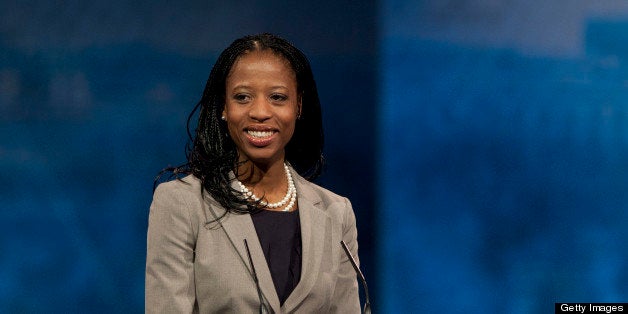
(245, 231)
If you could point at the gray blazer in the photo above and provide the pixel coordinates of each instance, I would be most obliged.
(194, 265)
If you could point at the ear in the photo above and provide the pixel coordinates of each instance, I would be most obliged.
(224, 113)
(299, 108)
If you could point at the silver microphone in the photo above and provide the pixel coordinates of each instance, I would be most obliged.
(367, 302)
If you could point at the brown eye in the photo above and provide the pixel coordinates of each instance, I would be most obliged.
(278, 97)
(241, 98)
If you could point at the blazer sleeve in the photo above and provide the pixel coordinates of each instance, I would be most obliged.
(346, 297)
(170, 253)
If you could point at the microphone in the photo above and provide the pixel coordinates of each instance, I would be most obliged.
(367, 302)
(262, 307)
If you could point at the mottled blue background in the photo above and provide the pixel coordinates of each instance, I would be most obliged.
(503, 157)
(482, 143)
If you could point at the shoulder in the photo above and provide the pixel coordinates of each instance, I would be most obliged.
(188, 183)
(334, 206)
(179, 195)
(332, 203)
(326, 196)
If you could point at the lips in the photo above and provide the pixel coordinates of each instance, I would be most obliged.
(260, 136)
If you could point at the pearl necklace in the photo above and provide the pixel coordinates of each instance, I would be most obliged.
(290, 198)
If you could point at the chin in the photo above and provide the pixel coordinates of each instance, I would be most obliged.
(263, 157)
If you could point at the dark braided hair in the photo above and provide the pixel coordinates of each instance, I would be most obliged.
(212, 155)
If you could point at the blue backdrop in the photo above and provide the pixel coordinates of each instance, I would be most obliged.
(503, 157)
(483, 143)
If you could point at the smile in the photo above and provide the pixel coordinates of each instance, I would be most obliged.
(260, 134)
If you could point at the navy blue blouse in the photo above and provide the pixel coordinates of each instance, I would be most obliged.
(279, 234)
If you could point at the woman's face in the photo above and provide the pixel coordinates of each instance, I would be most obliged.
(261, 106)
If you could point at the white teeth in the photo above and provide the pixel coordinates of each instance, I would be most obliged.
(260, 134)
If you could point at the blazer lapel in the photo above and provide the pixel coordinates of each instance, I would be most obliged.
(313, 225)
(313, 221)
(238, 228)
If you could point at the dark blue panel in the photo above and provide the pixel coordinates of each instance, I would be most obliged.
(503, 177)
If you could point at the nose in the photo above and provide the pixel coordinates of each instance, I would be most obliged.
(260, 110)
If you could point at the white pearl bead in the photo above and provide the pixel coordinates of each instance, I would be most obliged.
(290, 196)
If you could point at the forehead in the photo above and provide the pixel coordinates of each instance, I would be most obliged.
(264, 60)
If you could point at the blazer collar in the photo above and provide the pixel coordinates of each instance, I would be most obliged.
(314, 222)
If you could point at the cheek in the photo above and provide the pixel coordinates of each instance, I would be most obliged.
(233, 132)
(290, 120)
(232, 128)
(232, 118)
(291, 126)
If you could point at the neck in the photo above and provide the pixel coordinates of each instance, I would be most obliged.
(266, 179)
(268, 183)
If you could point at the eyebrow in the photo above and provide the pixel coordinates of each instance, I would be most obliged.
(246, 85)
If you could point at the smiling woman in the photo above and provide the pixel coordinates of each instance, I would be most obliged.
(243, 228)
(261, 107)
